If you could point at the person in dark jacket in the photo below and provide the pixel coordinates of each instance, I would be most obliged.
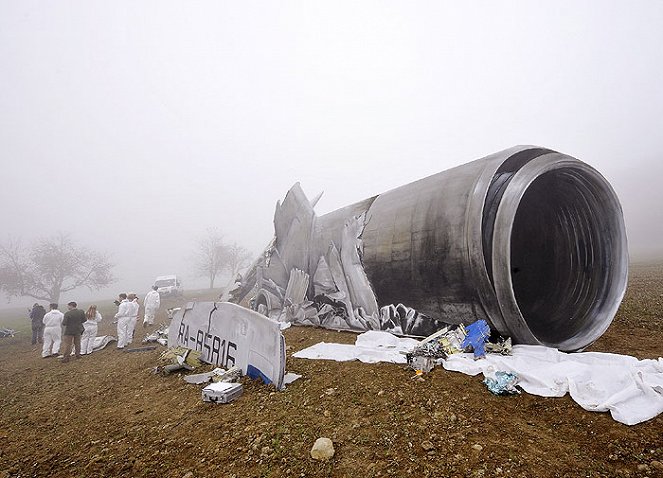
(73, 328)
(37, 315)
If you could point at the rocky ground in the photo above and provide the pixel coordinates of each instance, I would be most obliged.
(108, 415)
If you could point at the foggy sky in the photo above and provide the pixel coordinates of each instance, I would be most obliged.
(137, 125)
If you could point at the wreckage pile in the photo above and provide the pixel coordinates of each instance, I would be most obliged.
(630, 389)
(226, 335)
(483, 241)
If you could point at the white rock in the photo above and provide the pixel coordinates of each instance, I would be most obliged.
(323, 449)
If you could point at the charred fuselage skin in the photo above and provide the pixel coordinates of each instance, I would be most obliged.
(528, 239)
(531, 240)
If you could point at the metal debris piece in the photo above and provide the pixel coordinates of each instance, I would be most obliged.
(204, 377)
(173, 367)
(422, 364)
(501, 346)
(5, 332)
(501, 383)
(290, 377)
(440, 345)
(160, 335)
(140, 349)
(230, 375)
(181, 355)
(228, 335)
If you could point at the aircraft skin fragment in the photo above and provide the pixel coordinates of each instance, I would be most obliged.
(229, 335)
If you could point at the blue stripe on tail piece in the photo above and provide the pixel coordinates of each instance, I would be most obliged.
(255, 373)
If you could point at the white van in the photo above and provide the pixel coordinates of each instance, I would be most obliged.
(168, 286)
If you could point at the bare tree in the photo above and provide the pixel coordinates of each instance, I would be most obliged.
(210, 255)
(238, 259)
(50, 267)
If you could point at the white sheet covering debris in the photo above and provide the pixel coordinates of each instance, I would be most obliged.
(630, 389)
(370, 347)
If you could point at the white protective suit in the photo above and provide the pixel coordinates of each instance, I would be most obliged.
(52, 332)
(90, 327)
(134, 318)
(151, 302)
(123, 317)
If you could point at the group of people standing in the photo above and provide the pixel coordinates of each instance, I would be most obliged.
(74, 331)
(56, 330)
(127, 314)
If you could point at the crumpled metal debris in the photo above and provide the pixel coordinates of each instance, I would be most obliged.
(217, 375)
(160, 336)
(178, 358)
(5, 332)
(231, 375)
(455, 339)
(501, 345)
(140, 349)
(501, 383)
(440, 345)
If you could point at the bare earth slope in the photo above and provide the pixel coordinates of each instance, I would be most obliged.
(108, 415)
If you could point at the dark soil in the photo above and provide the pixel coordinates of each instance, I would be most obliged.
(108, 415)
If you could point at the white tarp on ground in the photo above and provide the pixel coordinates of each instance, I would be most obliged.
(370, 347)
(101, 341)
(631, 389)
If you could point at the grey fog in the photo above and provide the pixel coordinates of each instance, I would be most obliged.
(136, 126)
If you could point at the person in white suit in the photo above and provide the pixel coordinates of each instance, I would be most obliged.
(135, 306)
(52, 331)
(123, 318)
(90, 328)
(151, 303)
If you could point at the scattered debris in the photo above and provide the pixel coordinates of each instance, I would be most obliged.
(160, 335)
(501, 383)
(205, 377)
(140, 349)
(173, 367)
(5, 332)
(500, 345)
(440, 345)
(290, 377)
(178, 358)
(222, 392)
(323, 449)
(231, 375)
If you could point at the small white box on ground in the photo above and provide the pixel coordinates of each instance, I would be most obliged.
(222, 392)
